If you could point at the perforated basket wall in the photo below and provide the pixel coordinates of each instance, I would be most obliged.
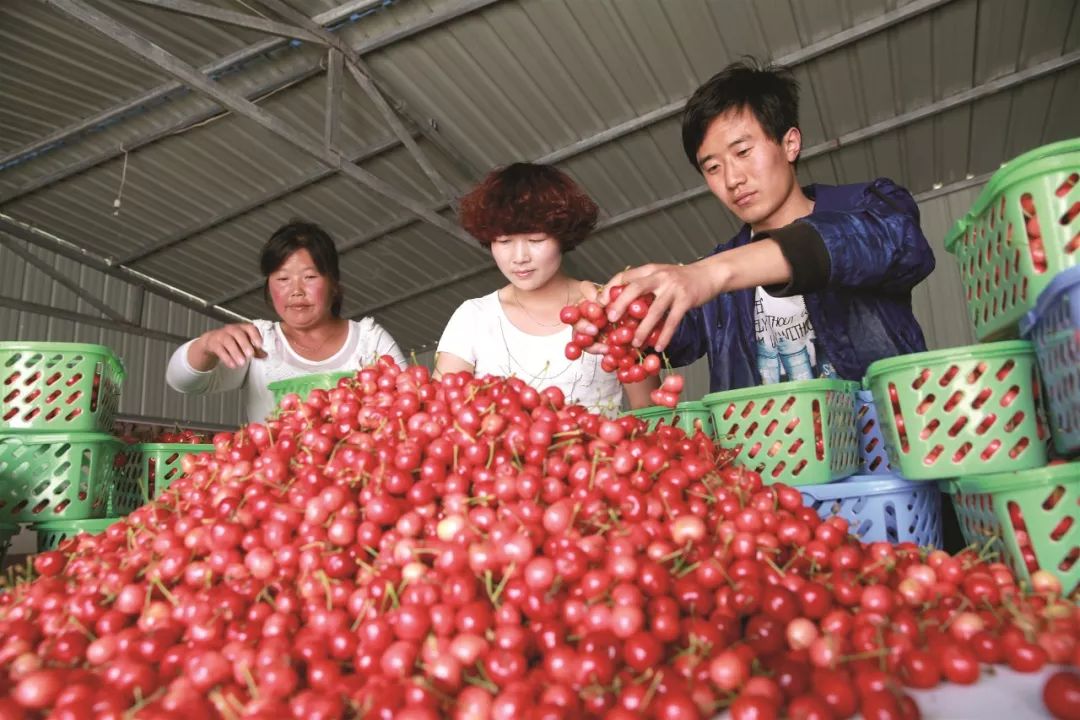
(58, 387)
(800, 433)
(152, 468)
(872, 451)
(61, 476)
(881, 508)
(689, 416)
(1054, 327)
(962, 411)
(304, 384)
(51, 534)
(127, 490)
(1029, 517)
(1022, 231)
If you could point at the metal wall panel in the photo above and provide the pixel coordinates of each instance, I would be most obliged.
(145, 393)
(940, 302)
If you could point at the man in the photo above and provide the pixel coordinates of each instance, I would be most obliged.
(818, 281)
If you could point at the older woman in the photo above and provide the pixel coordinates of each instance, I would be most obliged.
(529, 216)
(303, 284)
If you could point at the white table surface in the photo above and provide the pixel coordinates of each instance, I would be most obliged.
(1003, 695)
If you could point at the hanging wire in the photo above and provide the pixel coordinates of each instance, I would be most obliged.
(123, 180)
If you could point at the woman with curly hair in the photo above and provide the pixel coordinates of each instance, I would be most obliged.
(529, 216)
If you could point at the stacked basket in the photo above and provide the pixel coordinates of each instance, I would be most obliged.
(58, 461)
(148, 471)
(970, 418)
(821, 436)
(973, 418)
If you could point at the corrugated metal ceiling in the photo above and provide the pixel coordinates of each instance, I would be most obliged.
(516, 79)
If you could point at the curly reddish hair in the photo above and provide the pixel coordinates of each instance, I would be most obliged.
(528, 198)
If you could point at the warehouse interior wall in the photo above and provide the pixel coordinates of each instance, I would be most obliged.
(144, 394)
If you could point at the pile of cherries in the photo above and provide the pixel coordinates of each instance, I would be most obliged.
(401, 547)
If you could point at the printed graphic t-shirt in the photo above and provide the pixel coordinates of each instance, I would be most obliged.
(787, 347)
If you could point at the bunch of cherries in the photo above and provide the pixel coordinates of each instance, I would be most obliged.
(630, 364)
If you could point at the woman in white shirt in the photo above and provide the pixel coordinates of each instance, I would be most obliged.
(529, 216)
(303, 284)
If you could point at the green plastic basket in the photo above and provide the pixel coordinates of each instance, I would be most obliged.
(689, 416)
(127, 491)
(1036, 509)
(56, 476)
(1004, 264)
(58, 387)
(964, 411)
(51, 534)
(150, 469)
(800, 433)
(304, 384)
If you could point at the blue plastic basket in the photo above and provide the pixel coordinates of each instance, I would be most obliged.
(1054, 328)
(881, 508)
(872, 450)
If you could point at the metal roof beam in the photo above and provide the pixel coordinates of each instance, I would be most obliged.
(826, 45)
(84, 319)
(233, 101)
(36, 236)
(229, 17)
(197, 118)
(64, 134)
(367, 81)
(233, 213)
(335, 86)
(192, 120)
(31, 259)
(866, 133)
(829, 44)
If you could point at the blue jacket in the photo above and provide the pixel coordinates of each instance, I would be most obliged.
(855, 259)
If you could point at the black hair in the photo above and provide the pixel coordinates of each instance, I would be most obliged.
(299, 235)
(770, 92)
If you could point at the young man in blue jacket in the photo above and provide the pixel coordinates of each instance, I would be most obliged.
(818, 281)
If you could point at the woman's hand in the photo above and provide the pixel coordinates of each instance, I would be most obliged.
(234, 345)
